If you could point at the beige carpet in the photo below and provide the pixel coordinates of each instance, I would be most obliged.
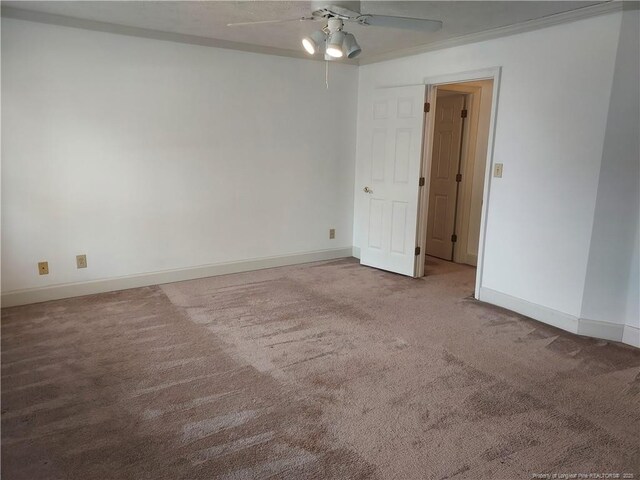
(327, 370)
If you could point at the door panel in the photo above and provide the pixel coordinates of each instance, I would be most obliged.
(398, 227)
(376, 212)
(439, 217)
(445, 163)
(394, 126)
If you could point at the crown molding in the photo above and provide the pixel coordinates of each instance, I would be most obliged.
(106, 27)
(538, 23)
(516, 28)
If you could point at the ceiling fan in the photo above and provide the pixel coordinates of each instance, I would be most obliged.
(333, 40)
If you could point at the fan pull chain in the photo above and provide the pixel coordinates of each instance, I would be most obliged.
(326, 73)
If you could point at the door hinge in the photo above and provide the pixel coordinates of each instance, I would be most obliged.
(427, 107)
(459, 177)
(421, 182)
(463, 113)
(454, 238)
(417, 250)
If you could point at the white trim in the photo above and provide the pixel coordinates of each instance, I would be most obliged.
(486, 189)
(522, 27)
(117, 29)
(55, 292)
(631, 336)
(355, 252)
(600, 329)
(425, 172)
(615, 332)
(537, 312)
(491, 73)
(535, 24)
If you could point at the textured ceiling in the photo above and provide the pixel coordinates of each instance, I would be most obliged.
(209, 19)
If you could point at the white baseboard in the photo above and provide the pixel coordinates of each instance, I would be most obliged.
(609, 331)
(537, 312)
(631, 336)
(600, 329)
(616, 332)
(56, 292)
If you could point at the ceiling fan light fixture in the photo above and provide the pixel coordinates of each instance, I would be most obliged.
(313, 43)
(308, 45)
(350, 46)
(334, 44)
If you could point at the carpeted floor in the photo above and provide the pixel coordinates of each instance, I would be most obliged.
(327, 370)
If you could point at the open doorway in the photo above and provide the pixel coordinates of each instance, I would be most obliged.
(455, 169)
(397, 145)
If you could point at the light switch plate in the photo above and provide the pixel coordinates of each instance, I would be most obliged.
(497, 170)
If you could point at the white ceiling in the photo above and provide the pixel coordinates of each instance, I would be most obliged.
(209, 19)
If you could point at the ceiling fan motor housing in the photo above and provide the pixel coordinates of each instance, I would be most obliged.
(334, 25)
(323, 7)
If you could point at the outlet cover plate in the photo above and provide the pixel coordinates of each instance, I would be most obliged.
(43, 268)
(81, 261)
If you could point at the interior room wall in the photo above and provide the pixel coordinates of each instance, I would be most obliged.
(153, 156)
(610, 286)
(631, 333)
(551, 118)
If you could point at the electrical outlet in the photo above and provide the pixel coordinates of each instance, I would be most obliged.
(497, 170)
(43, 268)
(332, 233)
(81, 261)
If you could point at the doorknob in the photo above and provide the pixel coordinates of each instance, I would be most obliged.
(367, 190)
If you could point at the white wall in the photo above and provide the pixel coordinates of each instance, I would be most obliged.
(633, 291)
(631, 332)
(614, 235)
(150, 155)
(551, 122)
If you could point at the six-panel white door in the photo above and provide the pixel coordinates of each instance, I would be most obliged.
(392, 148)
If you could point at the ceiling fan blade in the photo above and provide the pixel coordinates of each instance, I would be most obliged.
(264, 22)
(406, 23)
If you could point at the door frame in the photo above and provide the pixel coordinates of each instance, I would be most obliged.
(469, 160)
(458, 161)
(492, 73)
